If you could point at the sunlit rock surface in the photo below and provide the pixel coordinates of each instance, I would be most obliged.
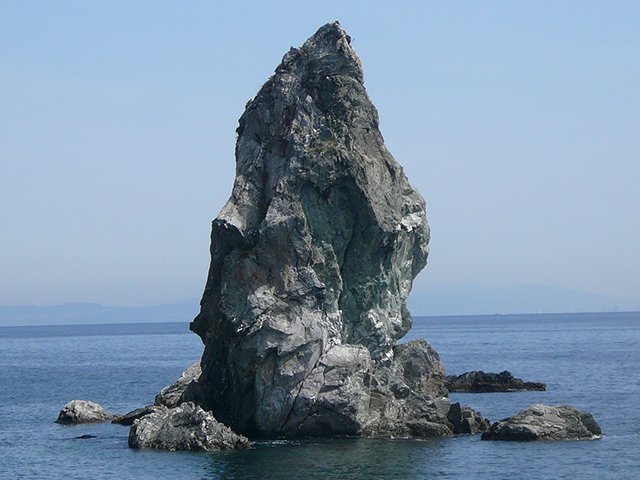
(543, 422)
(312, 260)
(83, 411)
(185, 427)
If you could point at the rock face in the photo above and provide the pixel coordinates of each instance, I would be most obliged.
(186, 427)
(312, 260)
(83, 411)
(542, 422)
(480, 382)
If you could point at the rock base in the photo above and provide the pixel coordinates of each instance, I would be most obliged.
(465, 420)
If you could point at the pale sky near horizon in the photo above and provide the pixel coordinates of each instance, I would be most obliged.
(518, 122)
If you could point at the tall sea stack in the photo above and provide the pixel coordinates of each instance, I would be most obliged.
(312, 260)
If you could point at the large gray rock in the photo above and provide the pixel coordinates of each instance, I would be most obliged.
(312, 260)
(186, 427)
(83, 411)
(542, 422)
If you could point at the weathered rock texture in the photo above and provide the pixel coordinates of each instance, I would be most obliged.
(542, 422)
(480, 382)
(185, 427)
(466, 420)
(312, 260)
(83, 411)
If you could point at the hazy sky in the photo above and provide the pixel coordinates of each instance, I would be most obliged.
(519, 123)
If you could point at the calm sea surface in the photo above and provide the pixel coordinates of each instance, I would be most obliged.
(589, 361)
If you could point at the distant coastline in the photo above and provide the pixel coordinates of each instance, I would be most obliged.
(95, 330)
(445, 300)
(420, 323)
(475, 300)
(93, 314)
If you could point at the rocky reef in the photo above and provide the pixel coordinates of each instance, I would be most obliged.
(481, 382)
(312, 260)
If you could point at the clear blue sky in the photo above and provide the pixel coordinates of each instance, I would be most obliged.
(519, 122)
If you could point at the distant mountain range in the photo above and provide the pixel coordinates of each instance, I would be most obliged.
(441, 300)
(474, 300)
(91, 313)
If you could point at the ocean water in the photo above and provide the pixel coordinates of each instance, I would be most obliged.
(590, 361)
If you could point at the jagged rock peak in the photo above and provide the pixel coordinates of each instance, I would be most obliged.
(328, 52)
(312, 257)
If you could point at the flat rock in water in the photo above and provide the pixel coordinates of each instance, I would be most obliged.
(186, 427)
(83, 411)
(481, 382)
(542, 422)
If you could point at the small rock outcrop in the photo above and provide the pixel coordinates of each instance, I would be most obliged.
(542, 422)
(171, 396)
(82, 411)
(465, 420)
(185, 427)
(480, 382)
(312, 260)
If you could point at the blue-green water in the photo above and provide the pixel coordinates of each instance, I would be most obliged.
(590, 361)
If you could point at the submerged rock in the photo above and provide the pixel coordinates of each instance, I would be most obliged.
(480, 382)
(186, 427)
(542, 422)
(312, 260)
(83, 411)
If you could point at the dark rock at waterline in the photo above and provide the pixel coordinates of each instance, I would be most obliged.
(312, 259)
(83, 411)
(185, 427)
(542, 422)
(85, 437)
(134, 415)
(465, 420)
(481, 382)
